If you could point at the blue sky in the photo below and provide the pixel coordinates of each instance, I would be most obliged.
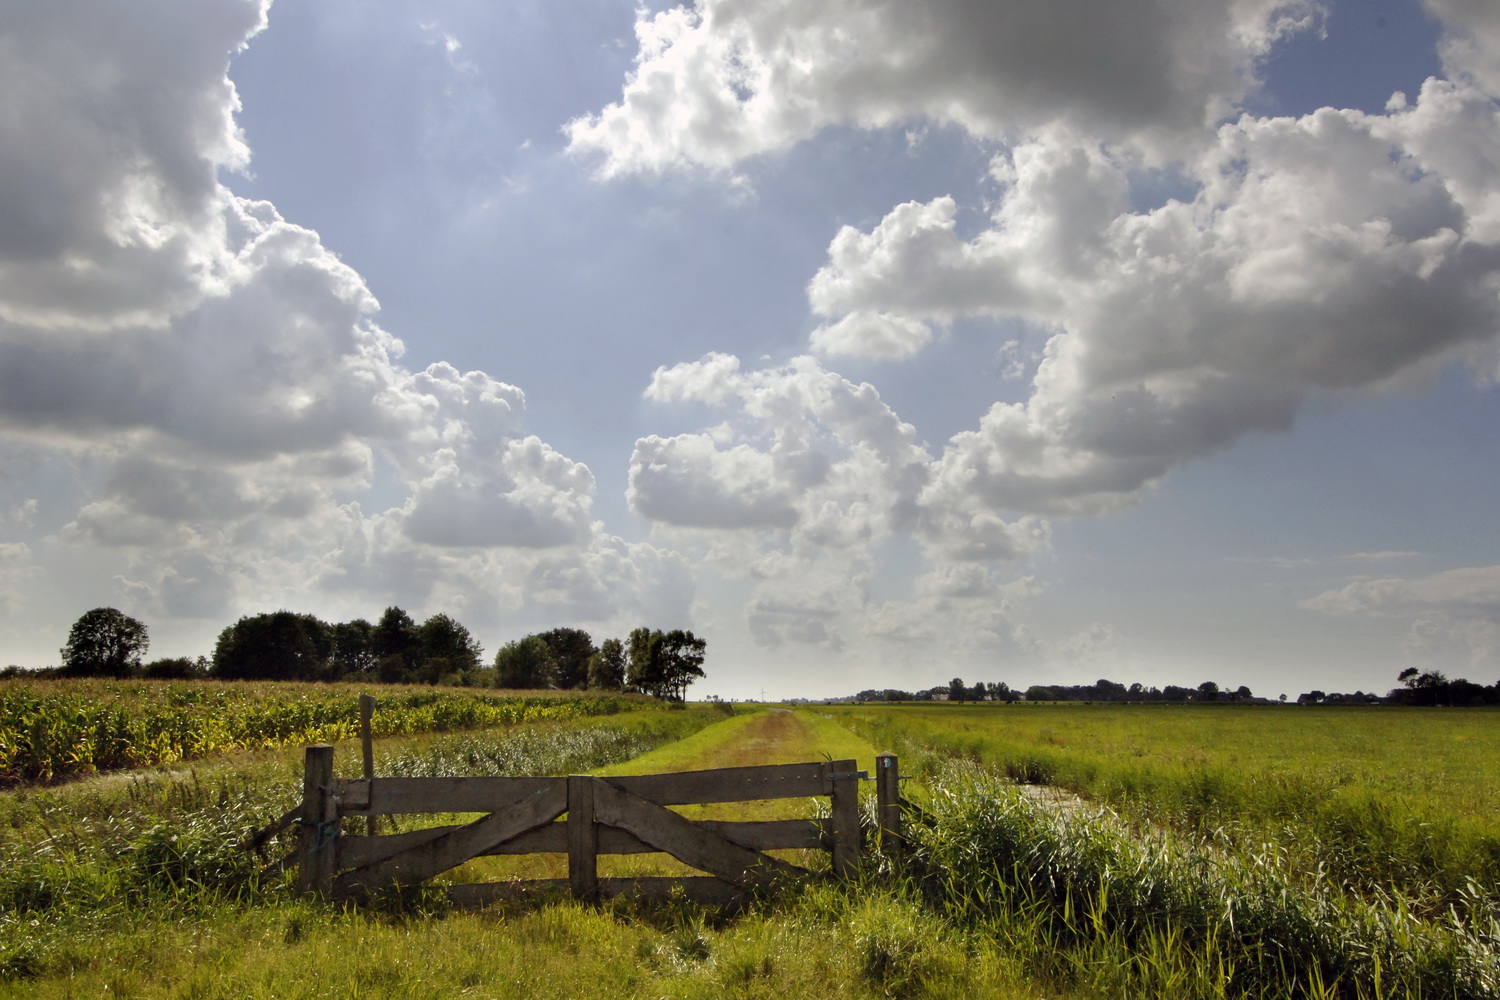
(877, 343)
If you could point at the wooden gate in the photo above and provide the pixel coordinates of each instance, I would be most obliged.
(583, 816)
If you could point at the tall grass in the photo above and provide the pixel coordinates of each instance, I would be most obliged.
(1379, 800)
(1083, 896)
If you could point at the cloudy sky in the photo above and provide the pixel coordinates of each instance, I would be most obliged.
(876, 342)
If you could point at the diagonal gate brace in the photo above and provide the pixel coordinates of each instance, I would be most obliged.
(455, 845)
(667, 831)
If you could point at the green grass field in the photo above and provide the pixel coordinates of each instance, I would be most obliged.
(1374, 797)
(134, 883)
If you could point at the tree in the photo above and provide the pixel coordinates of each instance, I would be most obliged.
(395, 644)
(663, 664)
(957, 691)
(682, 654)
(353, 649)
(104, 642)
(280, 646)
(442, 638)
(571, 648)
(1208, 691)
(641, 659)
(525, 663)
(607, 666)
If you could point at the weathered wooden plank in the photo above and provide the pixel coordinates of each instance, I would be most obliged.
(888, 802)
(367, 751)
(454, 795)
(383, 796)
(707, 890)
(456, 845)
(320, 821)
(667, 831)
(552, 838)
(583, 839)
(845, 816)
(727, 784)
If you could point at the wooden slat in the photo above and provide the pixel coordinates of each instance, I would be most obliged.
(316, 853)
(454, 846)
(552, 838)
(383, 796)
(699, 890)
(583, 838)
(439, 795)
(727, 784)
(888, 802)
(845, 816)
(679, 837)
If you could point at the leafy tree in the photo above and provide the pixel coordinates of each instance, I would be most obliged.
(957, 691)
(104, 642)
(607, 666)
(354, 649)
(443, 638)
(571, 648)
(663, 664)
(280, 646)
(396, 645)
(683, 654)
(525, 663)
(1208, 691)
(641, 659)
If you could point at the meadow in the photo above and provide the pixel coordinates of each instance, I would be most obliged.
(138, 883)
(1377, 799)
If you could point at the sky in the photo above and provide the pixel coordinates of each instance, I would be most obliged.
(877, 343)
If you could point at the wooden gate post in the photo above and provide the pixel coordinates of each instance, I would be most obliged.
(844, 807)
(367, 746)
(888, 802)
(320, 819)
(583, 838)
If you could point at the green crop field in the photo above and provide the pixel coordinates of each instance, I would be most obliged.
(1210, 875)
(1374, 797)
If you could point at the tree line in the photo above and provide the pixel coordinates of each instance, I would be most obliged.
(1417, 688)
(288, 646)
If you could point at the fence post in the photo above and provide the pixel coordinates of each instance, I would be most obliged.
(844, 795)
(367, 746)
(583, 838)
(320, 819)
(888, 802)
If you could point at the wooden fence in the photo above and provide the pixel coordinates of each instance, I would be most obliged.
(583, 816)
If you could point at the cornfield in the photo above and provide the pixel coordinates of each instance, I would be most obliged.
(53, 731)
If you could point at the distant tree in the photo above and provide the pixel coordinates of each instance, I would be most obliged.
(280, 646)
(957, 691)
(1242, 693)
(1208, 691)
(446, 648)
(683, 655)
(525, 663)
(396, 645)
(104, 642)
(572, 648)
(663, 664)
(641, 660)
(176, 668)
(607, 666)
(1039, 693)
(1311, 698)
(353, 649)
